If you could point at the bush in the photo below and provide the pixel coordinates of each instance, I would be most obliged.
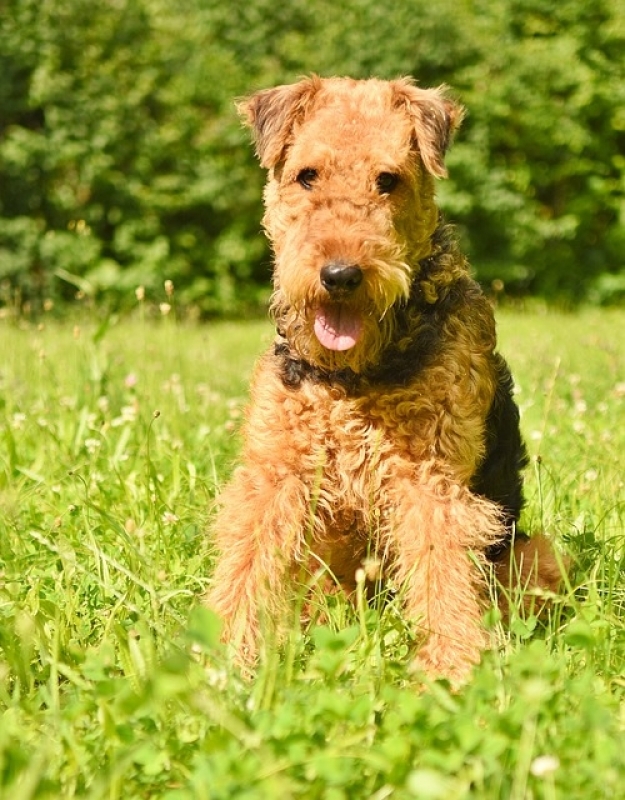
(122, 162)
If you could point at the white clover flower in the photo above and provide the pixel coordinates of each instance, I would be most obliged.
(91, 445)
(129, 413)
(581, 407)
(544, 765)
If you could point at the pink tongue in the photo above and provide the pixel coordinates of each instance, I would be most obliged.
(337, 327)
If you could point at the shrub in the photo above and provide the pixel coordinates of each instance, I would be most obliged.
(122, 161)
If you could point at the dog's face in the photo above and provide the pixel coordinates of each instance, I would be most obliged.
(350, 206)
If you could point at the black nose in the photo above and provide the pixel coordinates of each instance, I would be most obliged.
(338, 277)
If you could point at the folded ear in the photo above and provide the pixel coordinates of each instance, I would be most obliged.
(272, 114)
(434, 118)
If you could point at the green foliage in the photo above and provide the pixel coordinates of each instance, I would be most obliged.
(114, 438)
(550, 188)
(121, 155)
(122, 162)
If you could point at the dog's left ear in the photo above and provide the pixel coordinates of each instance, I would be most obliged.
(434, 117)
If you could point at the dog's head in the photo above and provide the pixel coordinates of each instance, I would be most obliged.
(350, 207)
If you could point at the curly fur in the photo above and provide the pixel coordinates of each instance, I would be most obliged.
(405, 445)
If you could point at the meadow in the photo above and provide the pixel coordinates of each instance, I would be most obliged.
(115, 436)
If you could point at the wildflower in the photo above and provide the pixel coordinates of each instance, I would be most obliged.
(91, 445)
(544, 765)
(217, 678)
(127, 414)
(165, 308)
(140, 293)
(169, 288)
(580, 407)
(18, 420)
(169, 518)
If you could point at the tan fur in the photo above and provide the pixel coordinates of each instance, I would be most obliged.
(529, 575)
(340, 470)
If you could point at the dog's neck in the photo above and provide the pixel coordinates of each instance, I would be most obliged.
(436, 292)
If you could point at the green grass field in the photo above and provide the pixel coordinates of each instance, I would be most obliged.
(114, 440)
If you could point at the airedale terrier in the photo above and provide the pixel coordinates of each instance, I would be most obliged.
(382, 421)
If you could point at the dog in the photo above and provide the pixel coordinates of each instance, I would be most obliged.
(382, 422)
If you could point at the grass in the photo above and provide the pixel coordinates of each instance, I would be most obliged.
(115, 438)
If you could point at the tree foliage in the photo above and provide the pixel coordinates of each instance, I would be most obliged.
(122, 162)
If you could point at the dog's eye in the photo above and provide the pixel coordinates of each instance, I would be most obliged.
(306, 178)
(386, 182)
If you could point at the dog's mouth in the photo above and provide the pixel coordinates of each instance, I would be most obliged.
(337, 326)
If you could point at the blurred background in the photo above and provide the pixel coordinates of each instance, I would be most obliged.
(123, 163)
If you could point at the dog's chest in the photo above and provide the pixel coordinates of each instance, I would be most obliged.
(357, 433)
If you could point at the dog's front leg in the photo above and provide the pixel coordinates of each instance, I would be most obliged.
(434, 525)
(259, 532)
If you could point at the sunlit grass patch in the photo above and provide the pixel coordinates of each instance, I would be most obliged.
(114, 441)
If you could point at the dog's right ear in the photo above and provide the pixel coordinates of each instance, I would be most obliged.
(272, 115)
